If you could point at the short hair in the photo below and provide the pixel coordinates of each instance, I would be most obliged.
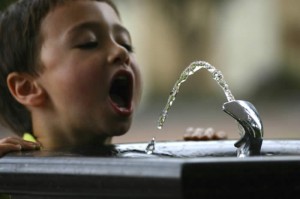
(19, 49)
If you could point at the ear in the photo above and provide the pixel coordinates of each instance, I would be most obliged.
(25, 89)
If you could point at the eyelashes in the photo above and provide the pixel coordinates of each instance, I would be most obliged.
(88, 45)
(94, 44)
(129, 48)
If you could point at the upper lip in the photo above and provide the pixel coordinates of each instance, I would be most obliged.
(121, 89)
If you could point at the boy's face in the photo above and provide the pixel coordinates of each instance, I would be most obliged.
(90, 74)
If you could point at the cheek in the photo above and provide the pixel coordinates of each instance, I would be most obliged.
(78, 84)
(72, 77)
(85, 84)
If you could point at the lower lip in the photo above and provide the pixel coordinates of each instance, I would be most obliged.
(125, 112)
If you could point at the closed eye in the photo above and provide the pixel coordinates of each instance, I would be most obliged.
(88, 45)
(128, 47)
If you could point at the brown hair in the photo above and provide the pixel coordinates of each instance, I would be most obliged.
(19, 48)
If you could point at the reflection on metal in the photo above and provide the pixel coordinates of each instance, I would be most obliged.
(251, 127)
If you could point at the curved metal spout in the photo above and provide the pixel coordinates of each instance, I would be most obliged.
(252, 128)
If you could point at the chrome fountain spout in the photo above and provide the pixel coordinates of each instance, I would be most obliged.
(251, 127)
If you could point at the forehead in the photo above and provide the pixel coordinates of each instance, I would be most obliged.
(67, 16)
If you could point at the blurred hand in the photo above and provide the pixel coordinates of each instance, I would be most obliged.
(11, 144)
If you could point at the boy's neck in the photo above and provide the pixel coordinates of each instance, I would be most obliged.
(60, 144)
(59, 139)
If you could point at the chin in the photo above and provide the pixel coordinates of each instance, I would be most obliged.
(119, 129)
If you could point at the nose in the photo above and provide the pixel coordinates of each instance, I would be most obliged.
(118, 54)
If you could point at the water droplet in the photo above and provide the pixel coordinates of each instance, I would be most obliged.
(150, 147)
(218, 76)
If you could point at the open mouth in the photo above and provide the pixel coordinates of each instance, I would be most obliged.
(121, 90)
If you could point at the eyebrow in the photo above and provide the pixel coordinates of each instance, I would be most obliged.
(121, 29)
(95, 25)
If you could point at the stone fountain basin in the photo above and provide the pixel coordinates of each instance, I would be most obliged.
(206, 169)
(194, 149)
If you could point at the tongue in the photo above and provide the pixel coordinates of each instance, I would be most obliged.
(118, 100)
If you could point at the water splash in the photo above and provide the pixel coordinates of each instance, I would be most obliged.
(190, 70)
(150, 147)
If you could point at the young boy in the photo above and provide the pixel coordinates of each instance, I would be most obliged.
(68, 75)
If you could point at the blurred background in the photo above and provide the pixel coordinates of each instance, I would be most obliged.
(256, 45)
